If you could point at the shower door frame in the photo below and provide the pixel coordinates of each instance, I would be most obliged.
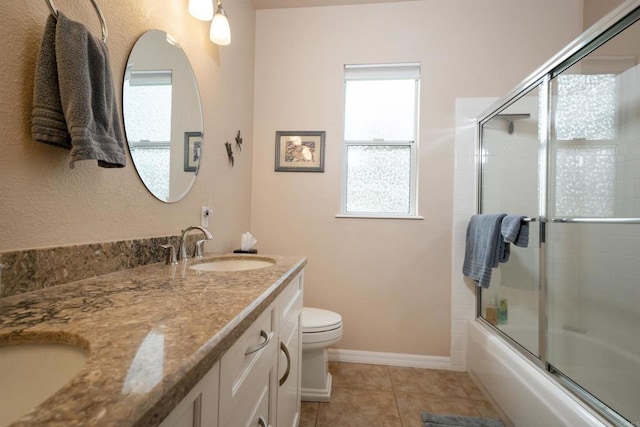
(543, 84)
(604, 30)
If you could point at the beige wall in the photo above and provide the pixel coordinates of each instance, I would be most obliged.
(44, 203)
(390, 279)
(596, 9)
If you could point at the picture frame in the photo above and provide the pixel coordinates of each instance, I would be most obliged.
(192, 151)
(300, 151)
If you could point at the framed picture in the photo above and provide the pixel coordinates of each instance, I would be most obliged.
(299, 151)
(192, 151)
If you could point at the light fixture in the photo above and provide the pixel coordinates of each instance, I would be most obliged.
(220, 32)
(201, 9)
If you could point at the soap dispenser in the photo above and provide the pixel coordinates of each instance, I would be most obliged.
(503, 311)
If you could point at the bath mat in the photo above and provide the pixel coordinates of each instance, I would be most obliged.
(431, 420)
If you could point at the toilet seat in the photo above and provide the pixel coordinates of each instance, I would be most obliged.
(320, 328)
(318, 320)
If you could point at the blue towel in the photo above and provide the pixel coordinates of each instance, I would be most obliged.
(515, 230)
(485, 247)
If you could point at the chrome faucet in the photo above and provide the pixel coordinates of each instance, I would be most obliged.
(183, 241)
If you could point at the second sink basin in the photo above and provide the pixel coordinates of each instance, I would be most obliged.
(234, 264)
(31, 372)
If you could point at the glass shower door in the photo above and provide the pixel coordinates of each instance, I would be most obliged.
(510, 178)
(593, 238)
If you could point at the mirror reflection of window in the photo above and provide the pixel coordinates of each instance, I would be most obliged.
(147, 98)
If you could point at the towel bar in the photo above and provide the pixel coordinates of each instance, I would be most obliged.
(103, 23)
(585, 220)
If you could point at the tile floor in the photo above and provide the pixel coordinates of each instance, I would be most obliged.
(376, 395)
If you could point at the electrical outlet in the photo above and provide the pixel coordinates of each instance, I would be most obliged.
(205, 213)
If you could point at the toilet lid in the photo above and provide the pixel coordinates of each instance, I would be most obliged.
(319, 320)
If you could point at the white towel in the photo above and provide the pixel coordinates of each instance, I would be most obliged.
(80, 87)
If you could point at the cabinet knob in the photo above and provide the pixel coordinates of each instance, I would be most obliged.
(262, 422)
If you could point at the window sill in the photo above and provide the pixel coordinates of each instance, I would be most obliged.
(374, 216)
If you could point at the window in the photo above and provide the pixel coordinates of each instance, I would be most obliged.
(148, 98)
(380, 140)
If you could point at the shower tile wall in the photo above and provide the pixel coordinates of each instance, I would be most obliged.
(464, 206)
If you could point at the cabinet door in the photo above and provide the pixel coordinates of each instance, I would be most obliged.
(200, 406)
(248, 375)
(253, 407)
(290, 354)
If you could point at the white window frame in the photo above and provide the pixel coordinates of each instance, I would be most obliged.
(394, 71)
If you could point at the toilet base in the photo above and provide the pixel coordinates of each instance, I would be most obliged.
(317, 395)
(316, 379)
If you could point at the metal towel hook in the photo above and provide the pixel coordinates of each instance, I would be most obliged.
(103, 23)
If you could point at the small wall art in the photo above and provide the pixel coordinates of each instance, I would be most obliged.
(300, 151)
(192, 151)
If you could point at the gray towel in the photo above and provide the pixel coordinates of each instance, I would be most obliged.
(485, 248)
(515, 230)
(74, 85)
(48, 124)
(459, 421)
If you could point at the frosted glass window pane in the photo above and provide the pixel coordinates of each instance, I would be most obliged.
(585, 180)
(148, 115)
(586, 107)
(378, 178)
(380, 109)
(153, 165)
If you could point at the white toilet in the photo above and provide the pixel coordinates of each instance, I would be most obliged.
(320, 329)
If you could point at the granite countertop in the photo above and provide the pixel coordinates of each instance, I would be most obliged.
(199, 315)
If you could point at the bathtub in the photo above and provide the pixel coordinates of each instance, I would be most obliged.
(609, 372)
(527, 395)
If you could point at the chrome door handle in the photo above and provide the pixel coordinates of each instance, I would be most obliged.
(260, 346)
(285, 350)
(262, 422)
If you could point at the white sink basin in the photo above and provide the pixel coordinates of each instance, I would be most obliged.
(234, 264)
(32, 372)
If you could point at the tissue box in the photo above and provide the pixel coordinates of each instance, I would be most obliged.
(248, 251)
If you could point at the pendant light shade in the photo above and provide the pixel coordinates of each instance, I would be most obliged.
(201, 9)
(220, 31)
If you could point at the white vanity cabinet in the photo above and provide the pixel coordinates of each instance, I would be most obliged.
(290, 354)
(257, 380)
(200, 406)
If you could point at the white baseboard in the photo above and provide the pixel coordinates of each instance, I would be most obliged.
(390, 359)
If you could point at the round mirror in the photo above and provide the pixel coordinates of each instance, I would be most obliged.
(162, 116)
